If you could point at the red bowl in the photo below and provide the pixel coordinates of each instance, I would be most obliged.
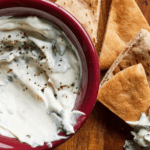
(79, 37)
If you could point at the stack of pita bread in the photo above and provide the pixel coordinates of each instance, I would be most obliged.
(126, 53)
(125, 87)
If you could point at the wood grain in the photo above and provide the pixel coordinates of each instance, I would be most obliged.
(103, 130)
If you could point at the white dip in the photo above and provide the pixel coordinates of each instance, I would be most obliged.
(40, 73)
(141, 134)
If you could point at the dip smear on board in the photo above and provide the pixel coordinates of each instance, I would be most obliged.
(40, 73)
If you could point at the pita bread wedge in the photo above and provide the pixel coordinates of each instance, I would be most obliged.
(136, 51)
(86, 11)
(125, 19)
(127, 94)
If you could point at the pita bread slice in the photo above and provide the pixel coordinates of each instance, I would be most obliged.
(136, 51)
(125, 19)
(127, 94)
(86, 11)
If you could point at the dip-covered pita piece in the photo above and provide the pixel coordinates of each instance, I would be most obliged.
(125, 19)
(86, 11)
(127, 94)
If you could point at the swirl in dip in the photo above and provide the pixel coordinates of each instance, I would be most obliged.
(40, 73)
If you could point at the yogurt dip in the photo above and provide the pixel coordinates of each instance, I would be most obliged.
(141, 133)
(40, 72)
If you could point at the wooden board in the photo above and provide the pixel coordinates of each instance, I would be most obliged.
(103, 130)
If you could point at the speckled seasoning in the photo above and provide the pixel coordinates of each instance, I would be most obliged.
(39, 80)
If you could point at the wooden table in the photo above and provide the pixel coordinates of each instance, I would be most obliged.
(103, 130)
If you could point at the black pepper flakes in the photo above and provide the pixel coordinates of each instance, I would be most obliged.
(19, 48)
(25, 34)
(72, 84)
(61, 87)
(9, 70)
(42, 90)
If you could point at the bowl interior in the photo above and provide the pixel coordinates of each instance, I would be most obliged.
(78, 36)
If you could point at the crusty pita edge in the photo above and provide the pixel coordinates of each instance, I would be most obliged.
(86, 11)
(125, 19)
(136, 51)
(127, 94)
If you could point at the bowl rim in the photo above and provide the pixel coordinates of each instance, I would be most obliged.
(92, 56)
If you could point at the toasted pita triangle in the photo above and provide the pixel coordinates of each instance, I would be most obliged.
(125, 19)
(136, 51)
(127, 94)
(86, 11)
